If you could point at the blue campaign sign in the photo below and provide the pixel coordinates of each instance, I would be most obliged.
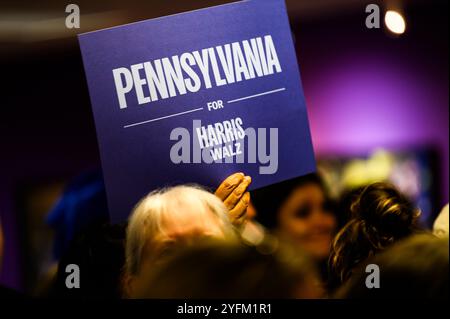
(195, 97)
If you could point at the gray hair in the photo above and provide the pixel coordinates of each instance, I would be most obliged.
(146, 219)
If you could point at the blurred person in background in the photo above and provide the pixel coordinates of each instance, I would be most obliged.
(83, 237)
(380, 216)
(83, 205)
(100, 255)
(299, 211)
(222, 271)
(170, 218)
(414, 268)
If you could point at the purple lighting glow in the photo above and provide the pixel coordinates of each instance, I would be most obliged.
(365, 101)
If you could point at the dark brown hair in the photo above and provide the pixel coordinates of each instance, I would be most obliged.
(220, 270)
(414, 268)
(380, 216)
(268, 200)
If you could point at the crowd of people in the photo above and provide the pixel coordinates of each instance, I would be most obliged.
(288, 240)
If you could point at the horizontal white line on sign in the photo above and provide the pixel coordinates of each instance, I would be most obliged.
(257, 95)
(162, 118)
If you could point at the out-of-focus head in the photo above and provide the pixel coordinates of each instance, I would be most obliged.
(301, 213)
(99, 253)
(82, 206)
(413, 268)
(380, 216)
(305, 219)
(232, 271)
(382, 206)
(170, 218)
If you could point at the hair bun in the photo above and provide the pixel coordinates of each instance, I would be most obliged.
(386, 210)
(381, 215)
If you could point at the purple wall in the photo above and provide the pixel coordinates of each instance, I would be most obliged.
(365, 90)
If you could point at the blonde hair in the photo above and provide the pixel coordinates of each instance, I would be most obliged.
(146, 219)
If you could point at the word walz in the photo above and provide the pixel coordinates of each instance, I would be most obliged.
(191, 71)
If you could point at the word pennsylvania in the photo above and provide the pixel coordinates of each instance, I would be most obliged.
(192, 71)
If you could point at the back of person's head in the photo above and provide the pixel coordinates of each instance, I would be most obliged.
(231, 271)
(82, 206)
(169, 218)
(99, 254)
(380, 216)
(416, 267)
(344, 204)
